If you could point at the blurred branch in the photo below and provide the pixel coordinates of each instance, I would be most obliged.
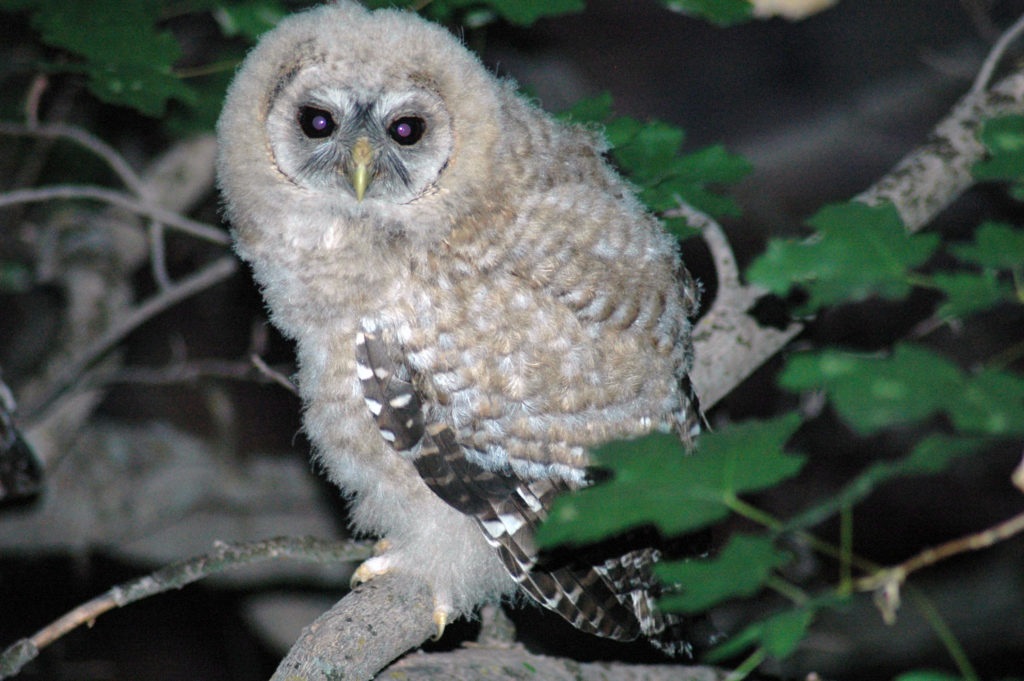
(72, 371)
(170, 218)
(87, 140)
(224, 556)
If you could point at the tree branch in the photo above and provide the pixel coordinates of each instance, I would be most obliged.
(224, 556)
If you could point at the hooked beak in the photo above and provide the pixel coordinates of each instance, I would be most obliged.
(359, 170)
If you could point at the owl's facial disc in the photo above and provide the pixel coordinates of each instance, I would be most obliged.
(360, 144)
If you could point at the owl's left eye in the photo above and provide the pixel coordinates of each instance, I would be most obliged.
(407, 130)
(316, 123)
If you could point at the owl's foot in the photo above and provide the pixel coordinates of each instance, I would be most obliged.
(374, 567)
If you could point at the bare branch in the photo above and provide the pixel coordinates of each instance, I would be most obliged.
(515, 663)
(224, 556)
(87, 140)
(213, 273)
(374, 624)
(887, 583)
(183, 224)
(273, 374)
(995, 55)
(730, 344)
(931, 177)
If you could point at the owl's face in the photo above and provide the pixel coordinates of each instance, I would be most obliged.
(361, 142)
(359, 132)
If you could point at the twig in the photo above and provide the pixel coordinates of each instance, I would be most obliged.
(68, 192)
(187, 371)
(273, 375)
(995, 55)
(85, 139)
(157, 255)
(887, 582)
(208, 276)
(34, 96)
(224, 556)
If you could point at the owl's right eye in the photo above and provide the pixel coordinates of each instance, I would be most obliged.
(316, 123)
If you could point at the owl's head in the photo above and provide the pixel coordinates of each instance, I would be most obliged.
(340, 110)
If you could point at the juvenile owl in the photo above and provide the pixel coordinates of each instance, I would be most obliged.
(476, 297)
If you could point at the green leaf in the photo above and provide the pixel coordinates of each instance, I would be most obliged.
(476, 13)
(127, 58)
(996, 245)
(249, 19)
(740, 569)
(932, 455)
(596, 109)
(1004, 138)
(656, 482)
(871, 393)
(858, 251)
(525, 12)
(140, 87)
(649, 155)
(778, 635)
(968, 293)
(720, 12)
(992, 402)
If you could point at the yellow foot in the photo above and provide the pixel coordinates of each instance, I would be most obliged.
(374, 567)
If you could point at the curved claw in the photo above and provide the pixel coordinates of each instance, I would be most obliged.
(374, 567)
(440, 621)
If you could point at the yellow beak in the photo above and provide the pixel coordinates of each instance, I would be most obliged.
(359, 171)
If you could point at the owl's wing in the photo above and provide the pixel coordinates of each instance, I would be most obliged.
(612, 599)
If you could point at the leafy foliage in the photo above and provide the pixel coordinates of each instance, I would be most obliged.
(777, 635)
(653, 473)
(857, 251)
(720, 12)
(911, 384)
(1004, 138)
(476, 13)
(126, 58)
(740, 569)
(932, 455)
(649, 154)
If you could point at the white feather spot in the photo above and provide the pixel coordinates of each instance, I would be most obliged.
(400, 401)
(512, 523)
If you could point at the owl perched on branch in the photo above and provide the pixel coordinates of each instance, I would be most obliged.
(477, 299)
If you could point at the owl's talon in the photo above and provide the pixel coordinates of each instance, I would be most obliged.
(440, 621)
(374, 567)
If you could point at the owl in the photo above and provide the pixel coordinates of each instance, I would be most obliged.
(476, 297)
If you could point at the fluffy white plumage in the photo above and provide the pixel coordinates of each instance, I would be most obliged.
(476, 297)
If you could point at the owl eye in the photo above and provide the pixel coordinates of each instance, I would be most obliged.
(316, 123)
(407, 130)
